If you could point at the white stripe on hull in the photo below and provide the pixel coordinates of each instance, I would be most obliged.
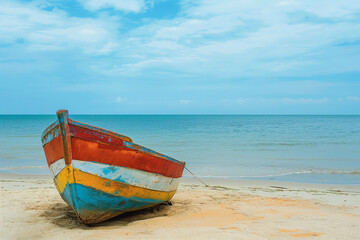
(128, 175)
(56, 167)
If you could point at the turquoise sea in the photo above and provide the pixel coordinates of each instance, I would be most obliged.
(311, 149)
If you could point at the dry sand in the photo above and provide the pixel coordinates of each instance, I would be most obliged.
(31, 208)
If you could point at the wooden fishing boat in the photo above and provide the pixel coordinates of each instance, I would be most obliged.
(102, 174)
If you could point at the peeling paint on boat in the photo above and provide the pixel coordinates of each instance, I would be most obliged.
(102, 174)
(129, 176)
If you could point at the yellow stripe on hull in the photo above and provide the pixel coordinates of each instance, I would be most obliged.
(71, 175)
(64, 177)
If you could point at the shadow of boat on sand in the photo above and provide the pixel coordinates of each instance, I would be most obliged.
(63, 216)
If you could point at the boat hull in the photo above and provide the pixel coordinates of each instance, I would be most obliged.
(101, 174)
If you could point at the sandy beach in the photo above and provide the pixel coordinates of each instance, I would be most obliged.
(31, 208)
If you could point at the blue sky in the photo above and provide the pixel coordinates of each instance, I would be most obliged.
(175, 57)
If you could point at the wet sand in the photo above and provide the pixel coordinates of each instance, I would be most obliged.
(31, 208)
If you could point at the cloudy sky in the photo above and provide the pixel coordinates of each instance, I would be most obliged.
(166, 57)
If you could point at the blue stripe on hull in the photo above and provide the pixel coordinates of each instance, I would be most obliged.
(94, 206)
(68, 195)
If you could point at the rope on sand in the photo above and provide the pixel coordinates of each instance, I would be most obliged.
(196, 177)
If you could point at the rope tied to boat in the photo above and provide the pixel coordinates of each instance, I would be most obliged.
(197, 177)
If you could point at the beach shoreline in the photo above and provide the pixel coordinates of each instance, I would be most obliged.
(235, 209)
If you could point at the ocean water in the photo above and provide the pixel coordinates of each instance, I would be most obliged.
(311, 149)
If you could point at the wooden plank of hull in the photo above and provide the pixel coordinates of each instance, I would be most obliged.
(128, 175)
(91, 135)
(120, 156)
(57, 167)
(54, 150)
(99, 130)
(86, 134)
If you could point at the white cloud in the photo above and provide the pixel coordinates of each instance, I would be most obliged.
(108, 48)
(303, 100)
(247, 38)
(243, 100)
(210, 38)
(120, 100)
(353, 98)
(122, 5)
(196, 28)
(164, 45)
(285, 100)
(54, 30)
(185, 101)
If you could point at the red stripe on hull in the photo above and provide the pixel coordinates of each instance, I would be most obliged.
(54, 150)
(121, 156)
(93, 135)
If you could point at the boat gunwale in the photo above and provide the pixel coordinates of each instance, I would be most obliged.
(138, 148)
(130, 144)
(100, 130)
(49, 128)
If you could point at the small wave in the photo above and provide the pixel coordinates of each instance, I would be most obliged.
(309, 171)
(23, 167)
(25, 136)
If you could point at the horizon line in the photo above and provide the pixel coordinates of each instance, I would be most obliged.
(197, 114)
